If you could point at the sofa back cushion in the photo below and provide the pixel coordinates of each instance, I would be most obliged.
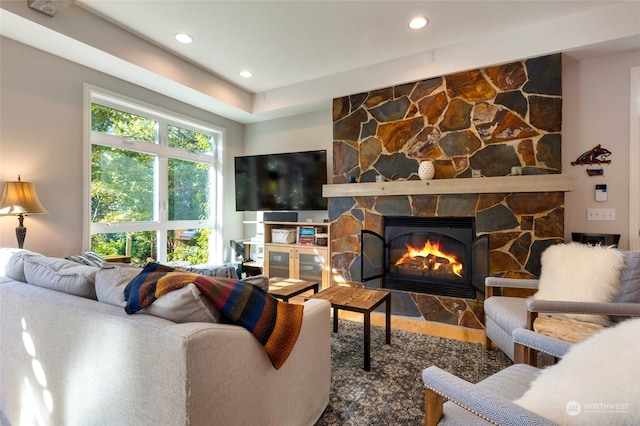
(261, 281)
(61, 275)
(12, 262)
(210, 270)
(182, 305)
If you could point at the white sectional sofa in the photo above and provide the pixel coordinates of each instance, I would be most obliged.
(72, 360)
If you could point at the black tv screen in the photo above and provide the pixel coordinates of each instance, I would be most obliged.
(277, 182)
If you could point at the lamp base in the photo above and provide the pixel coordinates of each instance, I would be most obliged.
(21, 231)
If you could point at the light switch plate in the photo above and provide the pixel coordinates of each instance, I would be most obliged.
(601, 214)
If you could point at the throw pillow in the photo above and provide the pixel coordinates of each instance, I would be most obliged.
(225, 272)
(261, 281)
(61, 275)
(182, 305)
(580, 273)
(596, 382)
(12, 263)
(89, 258)
(209, 270)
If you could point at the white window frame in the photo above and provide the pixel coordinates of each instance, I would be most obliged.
(163, 152)
(634, 158)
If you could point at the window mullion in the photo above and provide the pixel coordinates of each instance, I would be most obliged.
(161, 190)
(119, 142)
(162, 196)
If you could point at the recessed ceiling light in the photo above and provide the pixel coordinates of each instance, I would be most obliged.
(417, 23)
(246, 74)
(183, 38)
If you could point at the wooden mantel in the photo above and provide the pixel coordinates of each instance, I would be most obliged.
(484, 185)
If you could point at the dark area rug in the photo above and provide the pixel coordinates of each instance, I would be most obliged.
(392, 393)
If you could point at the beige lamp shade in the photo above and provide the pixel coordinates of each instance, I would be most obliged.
(20, 198)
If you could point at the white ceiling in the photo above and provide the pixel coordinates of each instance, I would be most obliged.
(304, 53)
(289, 42)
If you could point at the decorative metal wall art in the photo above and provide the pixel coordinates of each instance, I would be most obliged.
(597, 155)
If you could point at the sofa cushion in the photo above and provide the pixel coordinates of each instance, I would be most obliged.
(111, 279)
(183, 305)
(580, 273)
(61, 275)
(209, 270)
(595, 383)
(261, 281)
(12, 262)
(508, 312)
(224, 272)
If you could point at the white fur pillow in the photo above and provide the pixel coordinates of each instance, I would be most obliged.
(596, 382)
(580, 273)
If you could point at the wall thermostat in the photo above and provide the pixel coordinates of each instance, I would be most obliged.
(601, 192)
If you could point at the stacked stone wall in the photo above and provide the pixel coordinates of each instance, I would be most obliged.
(487, 120)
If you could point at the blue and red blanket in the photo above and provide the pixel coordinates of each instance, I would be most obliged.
(274, 323)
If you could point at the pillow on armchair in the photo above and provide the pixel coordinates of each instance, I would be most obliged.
(581, 273)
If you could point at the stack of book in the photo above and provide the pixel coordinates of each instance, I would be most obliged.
(307, 235)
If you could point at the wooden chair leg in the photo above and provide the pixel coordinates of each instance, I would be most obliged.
(519, 353)
(432, 407)
(525, 355)
(487, 342)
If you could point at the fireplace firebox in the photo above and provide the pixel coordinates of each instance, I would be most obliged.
(435, 255)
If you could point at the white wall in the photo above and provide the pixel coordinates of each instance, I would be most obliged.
(41, 122)
(596, 111)
(304, 132)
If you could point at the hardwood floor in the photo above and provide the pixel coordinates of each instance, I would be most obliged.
(424, 327)
(417, 326)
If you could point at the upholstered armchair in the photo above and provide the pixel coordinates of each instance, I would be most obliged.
(597, 371)
(491, 400)
(504, 314)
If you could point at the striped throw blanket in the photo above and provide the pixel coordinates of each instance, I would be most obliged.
(274, 323)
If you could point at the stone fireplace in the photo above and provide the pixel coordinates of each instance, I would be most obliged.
(432, 255)
(480, 122)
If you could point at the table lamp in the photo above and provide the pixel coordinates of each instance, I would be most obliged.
(20, 199)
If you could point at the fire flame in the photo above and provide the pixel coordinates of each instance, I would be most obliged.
(429, 252)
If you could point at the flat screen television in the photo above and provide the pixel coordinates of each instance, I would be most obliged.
(280, 182)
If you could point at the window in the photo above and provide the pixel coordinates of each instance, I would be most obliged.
(153, 183)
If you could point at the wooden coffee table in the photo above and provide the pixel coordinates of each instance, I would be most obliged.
(361, 300)
(286, 288)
